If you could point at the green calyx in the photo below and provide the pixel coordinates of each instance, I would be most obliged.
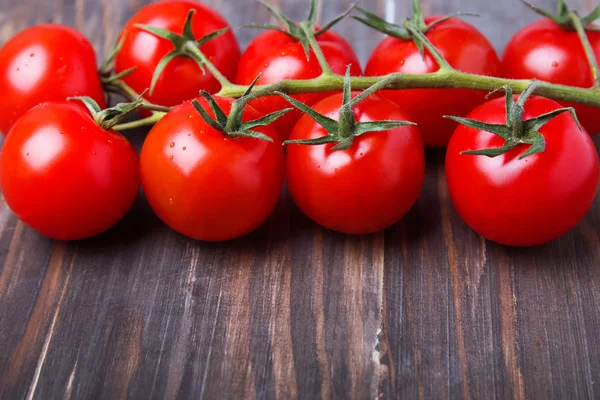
(185, 45)
(413, 28)
(565, 17)
(516, 131)
(571, 21)
(301, 31)
(344, 131)
(108, 118)
(231, 126)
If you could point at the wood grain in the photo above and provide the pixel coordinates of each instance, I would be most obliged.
(426, 309)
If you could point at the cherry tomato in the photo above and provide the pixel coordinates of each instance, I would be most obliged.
(363, 189)
(277, 56)
(182, 78)
(45, 63)
(66, 177)
(523, 202)
(464, 47)
(545, 51)
(207, 186)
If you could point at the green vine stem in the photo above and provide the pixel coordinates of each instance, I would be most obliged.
(446, 79)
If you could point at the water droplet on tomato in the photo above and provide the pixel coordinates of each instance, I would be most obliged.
(27, 154)
(336, 170)
(401, 62)
(189, 134)
(18, 69)
(171, 158)
(109, 141)
(283, 53)
(266, 65)
(555, 64)
(171, 201)
(172, 144)
(362, 154)
(183, 148)
(105, 151)
(94, 152)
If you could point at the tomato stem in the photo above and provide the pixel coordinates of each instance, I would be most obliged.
(587, 47)
(446, 79)
(309, 32)
(192, 47)
(151, 120)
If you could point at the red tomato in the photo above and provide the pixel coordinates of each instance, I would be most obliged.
(464, 47)
(366, 188)
(45, 63)
(277, 56)
(524, 202)
(545, 51)
(66, 177)
(204, 185)
(182, 79)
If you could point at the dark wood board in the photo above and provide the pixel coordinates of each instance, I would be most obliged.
(426, 309)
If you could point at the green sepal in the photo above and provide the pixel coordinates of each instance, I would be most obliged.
(231, 125)
(344, 131)
(108, 117)
(330, 125)
(295, 30)
(562, 16)
(516, 131)
(181, 45)
(380, 24)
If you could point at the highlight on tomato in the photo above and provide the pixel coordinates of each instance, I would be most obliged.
(283, 53)
(45, 63)
(463, 46)
(66, 173)
(166, 46)
(212, 169)
(521, 172)
(353, 163)
(552, 50)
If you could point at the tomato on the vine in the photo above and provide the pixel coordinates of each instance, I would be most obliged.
(518, 201)
(206, 185)
(64, 176)
(45, 63)
(182, 78)
(365, 188)
(544, 50)
(278, 56)
(464, 47)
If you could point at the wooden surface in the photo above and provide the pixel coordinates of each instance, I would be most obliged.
(424, 310)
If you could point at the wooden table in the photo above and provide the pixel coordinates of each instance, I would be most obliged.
(427, 309)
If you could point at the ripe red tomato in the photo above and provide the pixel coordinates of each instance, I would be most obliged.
(204, 185)
(66, 177)
(182, 78)
(277, 56)
(545, 51)
(45, 63)
(523, 202)
(464, 47)
(363, 189)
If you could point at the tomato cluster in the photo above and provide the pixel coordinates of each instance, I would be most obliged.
(520, 172)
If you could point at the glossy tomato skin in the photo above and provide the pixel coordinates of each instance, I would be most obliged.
(66, 177)
(277, 57)
(366, 188)
(45, 63)
(545, 51)
(464, 47)
(524, 202)
(182, 79)
(204, 185)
